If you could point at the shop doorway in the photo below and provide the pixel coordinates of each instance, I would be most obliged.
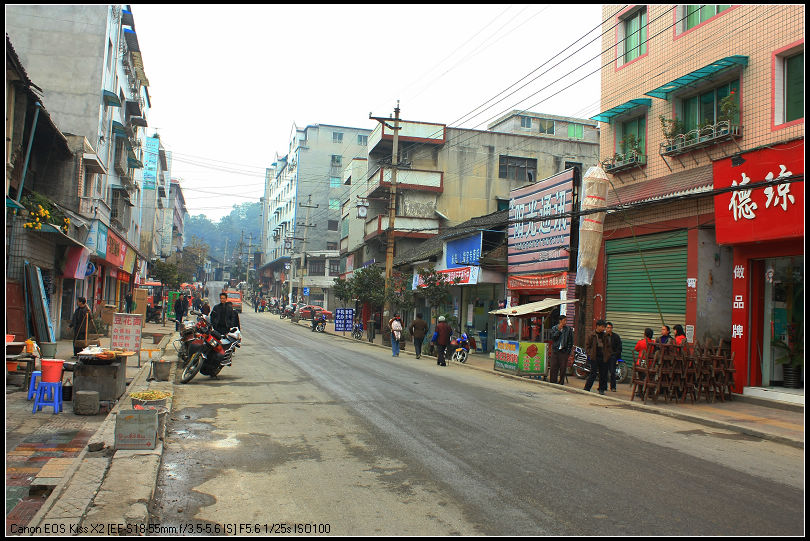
(783, 325)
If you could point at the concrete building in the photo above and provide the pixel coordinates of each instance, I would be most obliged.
(694, 99)
(178, 213)
(310, 175)
(103, 100)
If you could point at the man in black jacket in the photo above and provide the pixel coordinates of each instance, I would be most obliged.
(223, 316)
(563, 340)
(79, 323)
(180, 310)
(615, 354)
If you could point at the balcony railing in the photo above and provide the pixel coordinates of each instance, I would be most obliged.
(700, 138)
(407, 179)
(403, 226)
(623, 162)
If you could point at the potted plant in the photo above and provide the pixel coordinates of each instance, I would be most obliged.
(793, 359)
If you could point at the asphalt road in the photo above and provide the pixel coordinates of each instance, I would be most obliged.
(311, 429)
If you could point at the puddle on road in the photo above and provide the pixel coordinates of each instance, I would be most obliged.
(722, 435)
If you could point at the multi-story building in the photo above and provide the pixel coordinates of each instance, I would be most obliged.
(696, 99)
(178, 213)
(447, 175)
(103, 99)
(155, 233)
(307, 182)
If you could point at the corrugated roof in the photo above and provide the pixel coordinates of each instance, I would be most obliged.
(691, 181)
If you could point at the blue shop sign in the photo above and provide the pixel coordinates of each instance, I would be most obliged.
(465, 252)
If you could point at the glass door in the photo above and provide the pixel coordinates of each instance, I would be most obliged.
(784, 314)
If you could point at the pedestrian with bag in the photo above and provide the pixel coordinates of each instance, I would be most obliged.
(79, 323)
(396, 334)
(418, 330)
(598, 349)
(442, 339)
(615, 354)
(562, 343)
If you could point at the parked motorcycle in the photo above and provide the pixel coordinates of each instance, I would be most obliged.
(461, 348)
(216, 352)
(319, 323)
(582, 367)
(191, 336)
(357, 331)
(288, 312)
(154, 314)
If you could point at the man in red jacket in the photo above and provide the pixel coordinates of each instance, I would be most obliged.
(443, 332)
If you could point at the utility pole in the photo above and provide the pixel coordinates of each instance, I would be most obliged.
(392, 207)
(306, 227)
(249, 254)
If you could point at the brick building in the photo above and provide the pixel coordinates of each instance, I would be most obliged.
(697, 98)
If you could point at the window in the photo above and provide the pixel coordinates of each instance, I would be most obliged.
(794, 87)
(698, 14)
(362, 140)
(344, 228)
(546, 126)
(334, 204)
(337, 160)
(337, 137)
(576, 131)
(705, 109)
(525, 122)
(334, 267)
(635, 32)
(332, 225)
(513, 168)
(331, 245)
(334, 182)
(631, 136)
(317, 267)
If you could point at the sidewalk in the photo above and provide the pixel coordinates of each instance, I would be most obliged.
(44, 449)
(767, 419)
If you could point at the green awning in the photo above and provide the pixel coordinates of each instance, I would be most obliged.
(134, 163)
(10, 203)
(608, 115)
(119, 128)
(110, 98)
(705, 72)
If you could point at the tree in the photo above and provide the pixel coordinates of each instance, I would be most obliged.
(368, 285)
(194, 255)
(166, 274)
(435, 287)
(343, 290)
(399, 292)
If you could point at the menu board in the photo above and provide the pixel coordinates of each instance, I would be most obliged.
(522, 358)
(344, 319)
(126, 332)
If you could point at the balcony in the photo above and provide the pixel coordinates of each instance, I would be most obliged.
(382, 138)
(700, 138)
(407, 179)
(623, 162)
(404, 226)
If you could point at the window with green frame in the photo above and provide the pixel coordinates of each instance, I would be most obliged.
(705, 107)
(334, 182)
(576, 131)
(697, 14)
(794, 87)
(636, 127)
(635, 35)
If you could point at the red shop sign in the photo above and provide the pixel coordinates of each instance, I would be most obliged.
(553, 280)
(760, 214)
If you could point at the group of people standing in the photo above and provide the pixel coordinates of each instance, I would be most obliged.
(418, 330)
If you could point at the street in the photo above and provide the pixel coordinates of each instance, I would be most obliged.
(311, 429)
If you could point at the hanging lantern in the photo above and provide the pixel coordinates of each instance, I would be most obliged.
(595, 186)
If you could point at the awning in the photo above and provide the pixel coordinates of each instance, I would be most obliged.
(111, 98)
(138, 121)
(133, 108)
(127, 19)
(705, 72)
(10, 203)
(134, 163)
(532, 307)
(132, 40)
(119, 128)
(608, 115)
(93, 163)
(57, 236)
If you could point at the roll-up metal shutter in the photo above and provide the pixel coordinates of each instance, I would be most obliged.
(629, 302)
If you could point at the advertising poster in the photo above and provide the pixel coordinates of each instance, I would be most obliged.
(532, 358)
(344, 319)
(506, 355)
(150, 163)
(464, 252)
(125, 332)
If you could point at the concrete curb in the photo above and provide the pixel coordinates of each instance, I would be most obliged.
(799, 444)
(136, 513)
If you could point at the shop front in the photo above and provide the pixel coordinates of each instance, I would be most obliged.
(765, 228)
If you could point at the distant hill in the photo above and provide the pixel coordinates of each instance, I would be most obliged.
(245, 217)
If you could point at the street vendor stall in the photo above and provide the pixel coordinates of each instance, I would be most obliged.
(522, 337)
(103, 371)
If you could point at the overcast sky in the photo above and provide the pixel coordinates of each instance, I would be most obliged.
(227, 82)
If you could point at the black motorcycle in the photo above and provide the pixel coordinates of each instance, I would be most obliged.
(216, 352)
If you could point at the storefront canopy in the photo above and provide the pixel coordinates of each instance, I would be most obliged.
(532, 307)
(607, 116)
(696, 76)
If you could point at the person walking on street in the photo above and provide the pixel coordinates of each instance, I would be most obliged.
(598, 349)
(222, 316)
(615, 354)
(562, 342)
(79, 323)
(443, 332)
(128, 300)
(418, 330)
(396, 334)
(180, 310)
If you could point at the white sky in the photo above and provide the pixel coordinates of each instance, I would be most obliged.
(227, 82)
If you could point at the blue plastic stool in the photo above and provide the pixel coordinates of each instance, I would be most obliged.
(48, 394)
(32, 387)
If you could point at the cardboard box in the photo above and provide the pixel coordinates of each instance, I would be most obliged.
(136, 429)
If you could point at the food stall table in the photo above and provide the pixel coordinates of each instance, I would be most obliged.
(102, 371)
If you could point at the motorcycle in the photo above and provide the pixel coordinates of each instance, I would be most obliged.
(319, 323)
(154, 314)
(357, 331)
(582, 367)
(461, 346)
(289, 312)
(216, 352)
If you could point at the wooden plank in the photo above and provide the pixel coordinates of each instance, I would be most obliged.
(46, 309)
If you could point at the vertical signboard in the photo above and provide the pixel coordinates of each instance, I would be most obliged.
(125, 332)
(150, 163)
(344, 319)
(537, 244)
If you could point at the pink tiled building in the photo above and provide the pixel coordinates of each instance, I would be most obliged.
(695, 99)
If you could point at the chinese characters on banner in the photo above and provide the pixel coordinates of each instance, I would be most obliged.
(126, 332)
(344, 319)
